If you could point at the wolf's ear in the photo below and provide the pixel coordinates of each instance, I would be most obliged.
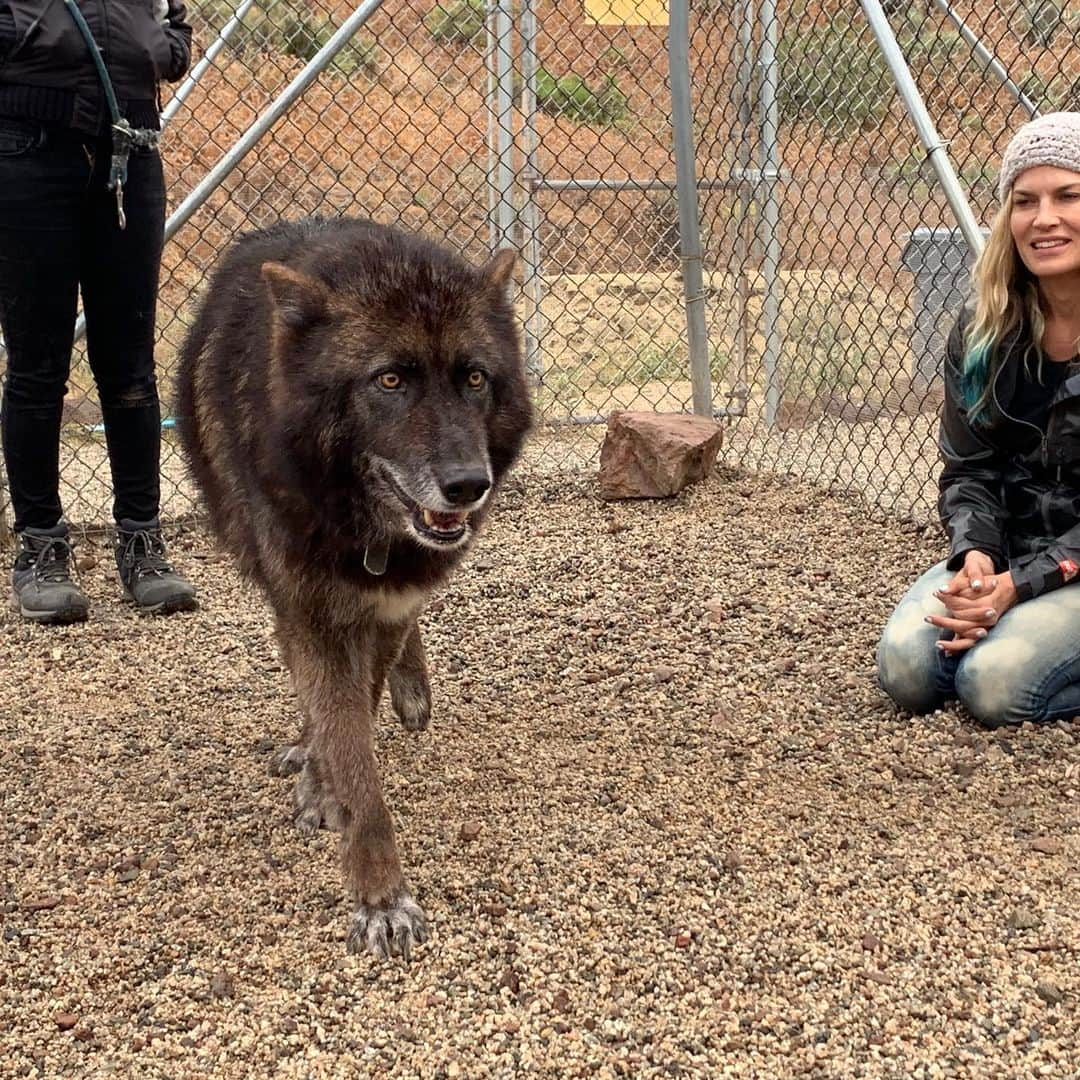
(300, 300)
(499, 269)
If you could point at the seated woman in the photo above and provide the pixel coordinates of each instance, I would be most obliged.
(997, 624)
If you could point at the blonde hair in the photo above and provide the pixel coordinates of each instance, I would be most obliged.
(1006, 295)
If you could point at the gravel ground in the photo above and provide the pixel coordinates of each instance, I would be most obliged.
(664, 824)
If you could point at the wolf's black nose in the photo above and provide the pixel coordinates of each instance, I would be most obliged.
(464, 485)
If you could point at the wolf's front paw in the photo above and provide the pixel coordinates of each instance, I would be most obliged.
(410, 697)
(390, 929)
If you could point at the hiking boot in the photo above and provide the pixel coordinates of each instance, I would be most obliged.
(41, 586)
(147, 577)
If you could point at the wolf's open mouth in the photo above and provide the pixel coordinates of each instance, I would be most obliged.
(445, 528)
(436, 526)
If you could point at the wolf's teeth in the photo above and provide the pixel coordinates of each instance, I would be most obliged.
(442, 521)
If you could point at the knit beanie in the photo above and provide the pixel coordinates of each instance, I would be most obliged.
(1053, 139)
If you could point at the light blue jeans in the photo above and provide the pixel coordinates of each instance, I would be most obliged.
(1026, 668)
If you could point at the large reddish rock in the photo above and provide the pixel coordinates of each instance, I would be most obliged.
(653, 455)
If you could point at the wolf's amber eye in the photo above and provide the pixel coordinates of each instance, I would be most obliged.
(476, 379)
(390, 380)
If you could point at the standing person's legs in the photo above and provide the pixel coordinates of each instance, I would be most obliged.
(119, 276)
(912, 670)
(42, 180)
(1028, 667)
(119, 273)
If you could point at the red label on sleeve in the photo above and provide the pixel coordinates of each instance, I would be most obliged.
(1069, 569)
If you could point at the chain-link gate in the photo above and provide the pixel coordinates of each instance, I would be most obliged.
(831, 256)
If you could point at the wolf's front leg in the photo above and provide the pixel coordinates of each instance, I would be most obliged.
(339, 684)
(292, 757)
(410, 688)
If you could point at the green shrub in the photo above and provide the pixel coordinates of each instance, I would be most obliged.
(1058, 92)
(833, 74)
(1040, 20)
(570, 95)
(302, 35)
(213, 13)
(294, 31)
(456, 22)
(255, 34)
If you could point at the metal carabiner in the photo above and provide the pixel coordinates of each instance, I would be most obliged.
(120, 216)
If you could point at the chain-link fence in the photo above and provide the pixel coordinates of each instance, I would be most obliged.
(831, 261)
(870, 264)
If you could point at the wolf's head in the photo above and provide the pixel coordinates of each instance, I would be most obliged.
(399, 368)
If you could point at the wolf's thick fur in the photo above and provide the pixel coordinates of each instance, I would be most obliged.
(349, 398)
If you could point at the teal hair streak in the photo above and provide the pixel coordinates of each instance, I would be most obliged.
(975, 378)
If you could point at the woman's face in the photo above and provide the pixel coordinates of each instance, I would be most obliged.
(1044, 217)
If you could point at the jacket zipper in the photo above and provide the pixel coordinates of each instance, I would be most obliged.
(1044, 497)
(1016, 420)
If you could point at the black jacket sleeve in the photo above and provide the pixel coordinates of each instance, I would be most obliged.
(1041, 572)
(971, 499)
(178, 31)
(7, 31)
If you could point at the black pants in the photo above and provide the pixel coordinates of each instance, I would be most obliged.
(59, 232)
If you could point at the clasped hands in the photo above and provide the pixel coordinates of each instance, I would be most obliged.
(976, 598)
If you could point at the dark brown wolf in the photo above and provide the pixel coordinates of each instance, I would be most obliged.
(350, 397)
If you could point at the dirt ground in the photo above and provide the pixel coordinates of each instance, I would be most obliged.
(664, 824)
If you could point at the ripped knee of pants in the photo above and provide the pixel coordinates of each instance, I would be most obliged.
(133, 395)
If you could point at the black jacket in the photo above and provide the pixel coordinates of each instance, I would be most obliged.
(47, 73)
(1001, 490)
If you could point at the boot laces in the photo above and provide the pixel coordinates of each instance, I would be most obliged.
(145, 554)
(52, 561)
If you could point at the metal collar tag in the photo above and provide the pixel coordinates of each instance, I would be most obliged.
(376, 556)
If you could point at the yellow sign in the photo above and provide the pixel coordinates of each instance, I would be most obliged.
(627, 12)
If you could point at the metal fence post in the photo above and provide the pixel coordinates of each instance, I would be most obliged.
(745, 108)
(500, 128)
(530, 211)
(689, 217)
(770, 209)
(931, 140)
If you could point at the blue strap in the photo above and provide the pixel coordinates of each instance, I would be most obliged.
(124, 135)
(99, 61)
